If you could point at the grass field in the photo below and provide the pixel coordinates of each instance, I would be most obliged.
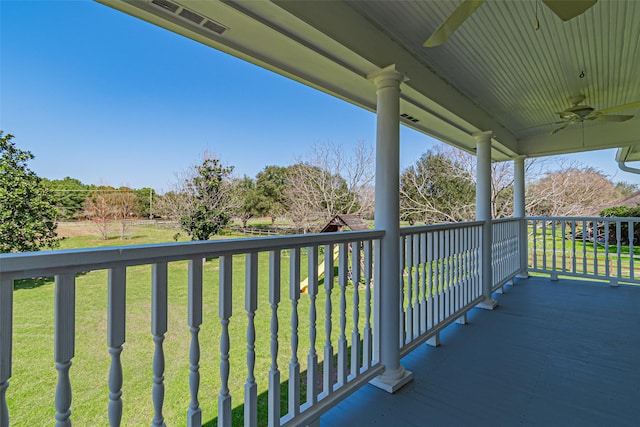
(582, 257)
(32, 386)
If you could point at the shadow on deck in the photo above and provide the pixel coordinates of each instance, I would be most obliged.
(563, 353)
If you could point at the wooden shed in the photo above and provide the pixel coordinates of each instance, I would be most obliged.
(338, 222)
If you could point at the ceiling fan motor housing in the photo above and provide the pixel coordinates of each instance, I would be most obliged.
(579, 111)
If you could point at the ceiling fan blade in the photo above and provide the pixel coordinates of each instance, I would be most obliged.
(610, 118)
(619, 108)
(569, 9)
(566, 124)
(451, 24)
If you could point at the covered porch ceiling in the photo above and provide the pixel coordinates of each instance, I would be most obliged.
(497, 72)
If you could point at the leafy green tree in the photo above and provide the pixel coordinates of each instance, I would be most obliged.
(69, 195)
(247, 200)
(209, 202)
(271, 184)
(27, 209)
(624, 212)
(144, 202)
(436, 189)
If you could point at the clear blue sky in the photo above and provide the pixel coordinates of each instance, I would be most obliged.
(108, 99)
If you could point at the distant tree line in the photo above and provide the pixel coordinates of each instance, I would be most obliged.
(439, 187)
(325, 183)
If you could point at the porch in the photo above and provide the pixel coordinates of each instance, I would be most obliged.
(552, 350)
(552, 353)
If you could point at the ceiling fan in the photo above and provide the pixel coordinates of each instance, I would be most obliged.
(564, 9)
(578, 113)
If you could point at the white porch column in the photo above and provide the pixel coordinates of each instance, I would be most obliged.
(483, 212)
(387, 217)
(519, 212)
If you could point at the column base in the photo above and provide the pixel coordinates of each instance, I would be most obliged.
(394, 381)
(487, 304)
(523, 275)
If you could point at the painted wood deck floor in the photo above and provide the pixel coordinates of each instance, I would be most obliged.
(563, 353)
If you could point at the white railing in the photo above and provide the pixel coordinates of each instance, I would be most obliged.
(344, 330)
(440, 278)
(505, 250)
(596, 248)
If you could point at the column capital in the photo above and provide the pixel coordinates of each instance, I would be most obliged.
(387, 76)
(484, 136)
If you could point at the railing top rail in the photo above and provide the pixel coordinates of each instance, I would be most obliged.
(435, 227)
(507, 219)
(584, 218)
(30, 264)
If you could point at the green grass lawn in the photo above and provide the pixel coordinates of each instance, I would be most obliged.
(589, 257)
(32, 386)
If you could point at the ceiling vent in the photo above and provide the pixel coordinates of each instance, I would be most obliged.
(410, 118)
(189, 15)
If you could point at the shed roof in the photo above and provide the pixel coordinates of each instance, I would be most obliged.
(336, 223)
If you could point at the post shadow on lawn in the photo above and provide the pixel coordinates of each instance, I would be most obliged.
(36, 282)
(237, 413)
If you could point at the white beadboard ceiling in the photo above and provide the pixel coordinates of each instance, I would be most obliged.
(496, 72)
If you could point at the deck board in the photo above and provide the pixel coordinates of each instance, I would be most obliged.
(564, 353)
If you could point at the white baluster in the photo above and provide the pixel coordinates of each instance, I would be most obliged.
(446, 235)
(466, 243)
(367, 339)
(224, 312)
(423, 282)
(194, 413)
(430, 281)
(250, 306)
(312, 358)
(116, 315)
(402, 321)
(607, 268)
(377, 304)
(455, 270)
(355, 334)
(6, 333)
(618, 250)
(408, 264)
(564, 246)
(631, 236)
(64, 344)
(327, 370)
(441, 277)
(294, 365)
(416, 284)
(478, 257)
(274, 372)
(343, 270)
(471, 254)
(159, 309)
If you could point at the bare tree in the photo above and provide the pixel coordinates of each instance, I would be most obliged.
(171, 204)
(328, 182)
(98, 207)
(502, 177)
(124, 204)
(571, 189)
